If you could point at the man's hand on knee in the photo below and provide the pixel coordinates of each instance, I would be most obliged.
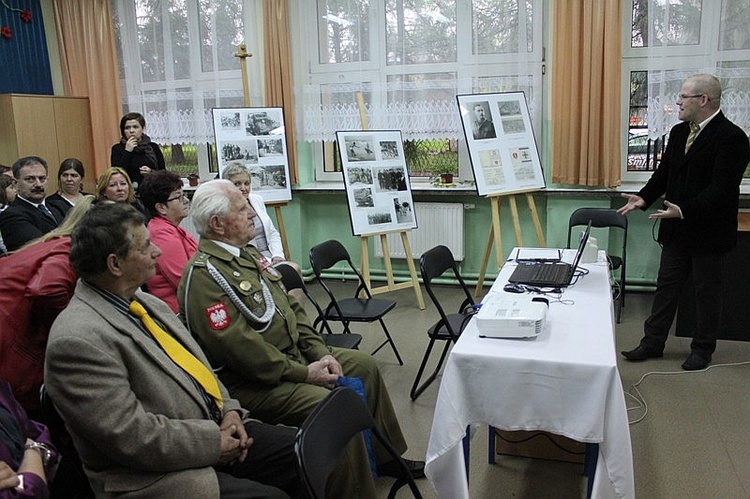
(319, 373)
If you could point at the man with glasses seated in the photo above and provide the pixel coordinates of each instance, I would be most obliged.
(28, 217)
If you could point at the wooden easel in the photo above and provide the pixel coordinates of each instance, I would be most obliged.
(243, 54)
(391, 284)
(494, 238)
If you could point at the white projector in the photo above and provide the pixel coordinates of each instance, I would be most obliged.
(510, 316)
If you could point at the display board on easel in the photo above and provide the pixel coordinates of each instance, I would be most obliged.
(502, 149)
(504, 160)
(378, 191)
(254, 137)
(378, 194)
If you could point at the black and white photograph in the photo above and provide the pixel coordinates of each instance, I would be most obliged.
(254, 138)
(505, 160)
(388, 149)
(378, 192)
(363, 197)
(404, 212)
(358, 175)
(359, 149)
(262, 123)
(245, 151)
(389, 179)
(482, 126)
(230, 121)
(270, 147)
(379, 218)
(267, 177)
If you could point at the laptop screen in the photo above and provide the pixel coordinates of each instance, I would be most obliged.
(581, 246)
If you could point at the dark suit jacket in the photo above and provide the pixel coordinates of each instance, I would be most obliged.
(704, 183)
(22, 221)
(137, 420)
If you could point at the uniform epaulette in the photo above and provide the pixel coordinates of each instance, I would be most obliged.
(200, 260)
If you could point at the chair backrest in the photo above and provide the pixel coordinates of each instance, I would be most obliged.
(599, 217)
(327, 254)
(322, 438)
(434, 263)
(292, 280)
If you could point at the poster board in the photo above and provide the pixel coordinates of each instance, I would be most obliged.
(502, 149)
(255, 137)
(378, 191)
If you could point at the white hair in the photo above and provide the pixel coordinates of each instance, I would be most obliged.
(210, 199)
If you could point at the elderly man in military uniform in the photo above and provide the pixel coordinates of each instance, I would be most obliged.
(261, 341)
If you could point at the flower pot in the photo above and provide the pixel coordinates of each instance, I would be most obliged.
(193, 181)
(446, 178)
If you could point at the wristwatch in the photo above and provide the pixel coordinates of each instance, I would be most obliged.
(43, 449)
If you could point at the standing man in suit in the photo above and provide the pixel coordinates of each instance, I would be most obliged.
(699, 176)
(146, 414)
(28, 217)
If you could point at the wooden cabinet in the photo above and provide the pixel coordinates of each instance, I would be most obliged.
(51, 127)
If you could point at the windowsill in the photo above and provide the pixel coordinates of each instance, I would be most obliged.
(468, 188)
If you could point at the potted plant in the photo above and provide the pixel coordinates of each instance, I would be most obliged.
(193, 179)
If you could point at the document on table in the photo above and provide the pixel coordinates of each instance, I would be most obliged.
(538, 255)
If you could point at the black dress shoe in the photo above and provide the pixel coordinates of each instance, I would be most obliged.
(696, 362)
(393, 469)
(641, 353)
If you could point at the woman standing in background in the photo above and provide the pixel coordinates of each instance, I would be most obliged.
(135, 152)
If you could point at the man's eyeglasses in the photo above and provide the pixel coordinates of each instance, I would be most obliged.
(183, 197)
(683, 96)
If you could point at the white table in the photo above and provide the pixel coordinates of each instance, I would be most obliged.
(564, 381)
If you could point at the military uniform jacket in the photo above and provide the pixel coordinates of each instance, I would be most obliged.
(233, 342)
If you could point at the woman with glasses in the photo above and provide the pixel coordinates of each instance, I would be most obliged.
(161, 193)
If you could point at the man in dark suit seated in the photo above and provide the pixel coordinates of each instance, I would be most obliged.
(28, 217)
(145, 412)
(699, 176)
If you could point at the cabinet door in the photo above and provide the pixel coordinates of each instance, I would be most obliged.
(73, 132)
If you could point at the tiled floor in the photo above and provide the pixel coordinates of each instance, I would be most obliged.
(694, 441)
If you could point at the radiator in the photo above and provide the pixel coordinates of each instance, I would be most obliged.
(439, 223)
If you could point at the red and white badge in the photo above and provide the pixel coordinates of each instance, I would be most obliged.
(218, 316)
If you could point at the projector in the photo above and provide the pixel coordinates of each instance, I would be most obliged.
(510, 316)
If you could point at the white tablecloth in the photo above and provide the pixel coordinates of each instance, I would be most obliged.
(564, 381)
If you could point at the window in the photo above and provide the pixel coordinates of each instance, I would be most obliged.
(404, 61)
(177, 62)
(666, 43)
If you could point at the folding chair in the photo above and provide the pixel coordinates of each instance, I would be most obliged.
(322, 438)
(434, 263)
(606, 218)
(292, 280)
(326, 255)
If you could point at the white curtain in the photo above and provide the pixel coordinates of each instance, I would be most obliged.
(685, 37)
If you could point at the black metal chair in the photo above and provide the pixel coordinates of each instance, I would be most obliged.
(347, 310)
(292, 280)
(434, 263)
(322, 438)
(606, 218)
(70, 480)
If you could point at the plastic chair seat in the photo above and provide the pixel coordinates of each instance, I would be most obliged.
(360, 310)
(457, 323)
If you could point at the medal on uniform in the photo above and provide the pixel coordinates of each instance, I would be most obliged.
(258, 297)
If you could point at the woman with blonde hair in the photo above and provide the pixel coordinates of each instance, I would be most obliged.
(37, 285)
(115, 185)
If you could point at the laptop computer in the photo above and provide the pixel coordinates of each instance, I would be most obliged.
(549, 274)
